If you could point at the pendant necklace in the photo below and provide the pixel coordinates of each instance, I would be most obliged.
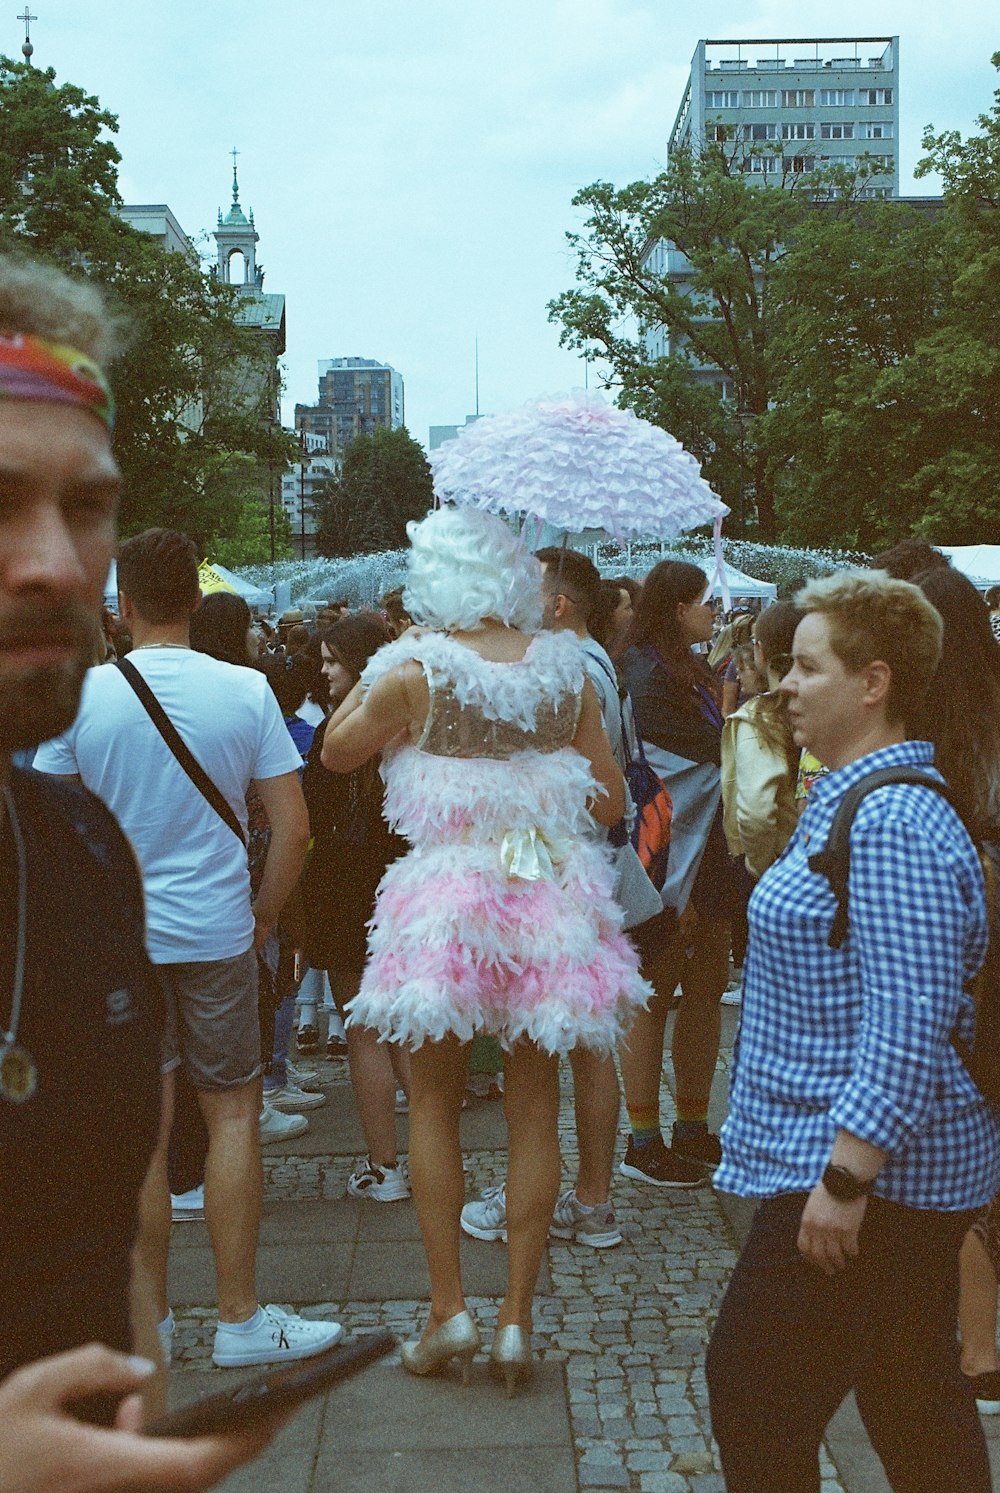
(18, 1070)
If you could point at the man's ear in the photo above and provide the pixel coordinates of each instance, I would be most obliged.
(878, 680)
(125, 609)
(561, 606)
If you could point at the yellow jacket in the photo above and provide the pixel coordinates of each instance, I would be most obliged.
(758, 791)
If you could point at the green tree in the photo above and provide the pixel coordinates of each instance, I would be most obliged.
(385, 481)
(717, 297)
(184, 415)
(249, 541)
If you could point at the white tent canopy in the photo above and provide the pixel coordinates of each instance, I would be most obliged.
(740, 584)
(980, 562)
(254, 596)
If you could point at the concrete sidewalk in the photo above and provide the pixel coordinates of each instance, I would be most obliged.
(619, 1399)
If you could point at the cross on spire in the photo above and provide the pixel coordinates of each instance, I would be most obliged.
(27, 18)
(236, 189)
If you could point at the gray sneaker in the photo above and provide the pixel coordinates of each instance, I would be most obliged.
(487, 1218)
(596, 1226)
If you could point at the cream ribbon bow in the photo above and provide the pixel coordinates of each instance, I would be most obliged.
(529, 854)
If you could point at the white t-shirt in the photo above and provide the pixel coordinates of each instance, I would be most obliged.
(194, 868)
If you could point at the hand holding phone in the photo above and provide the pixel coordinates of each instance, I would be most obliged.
(276, 1393)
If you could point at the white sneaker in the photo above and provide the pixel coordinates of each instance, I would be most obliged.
(279, 1337)
(275, 1127)
(165, 1330)
(190, 1204)
(596, 1226)
(385, 1184)
(292, 1100)
(487, 1218)
(306, 1079)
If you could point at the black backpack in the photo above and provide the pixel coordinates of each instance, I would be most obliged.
(982, 1059)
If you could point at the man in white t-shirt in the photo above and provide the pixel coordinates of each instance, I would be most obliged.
(202, 932)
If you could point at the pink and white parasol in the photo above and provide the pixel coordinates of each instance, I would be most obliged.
(578, 463)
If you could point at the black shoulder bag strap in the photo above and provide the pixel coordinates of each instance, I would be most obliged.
(835, 861)
(171, 736)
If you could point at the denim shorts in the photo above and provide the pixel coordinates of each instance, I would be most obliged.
(210, 1020)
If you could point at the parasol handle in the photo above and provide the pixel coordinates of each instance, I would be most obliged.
(720, 563)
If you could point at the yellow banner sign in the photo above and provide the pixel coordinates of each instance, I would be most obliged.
(210, 580)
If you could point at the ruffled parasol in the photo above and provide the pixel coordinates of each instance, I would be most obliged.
(578, 463)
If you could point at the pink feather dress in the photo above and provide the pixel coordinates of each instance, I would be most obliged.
(500, 919)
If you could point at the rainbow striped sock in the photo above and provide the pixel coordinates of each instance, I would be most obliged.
(644, 1122)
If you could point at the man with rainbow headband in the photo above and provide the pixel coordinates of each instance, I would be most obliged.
(79, 1023)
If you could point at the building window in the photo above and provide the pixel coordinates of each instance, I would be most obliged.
(836, 96)
(839, 160)
(836, 132)
(875, 130)
(881, 163)
(798, 132)
(759, 98)
(875, 96)
(759, 132)
(722, 98)
(721, 132)
(796, 165)
(798, 98)
(761, 165)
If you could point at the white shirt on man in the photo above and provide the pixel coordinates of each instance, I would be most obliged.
(195, 872)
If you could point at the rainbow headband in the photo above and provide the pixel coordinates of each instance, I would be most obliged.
(33, 368)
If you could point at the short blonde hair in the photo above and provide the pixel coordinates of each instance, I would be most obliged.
(37, 300)
(874, 617)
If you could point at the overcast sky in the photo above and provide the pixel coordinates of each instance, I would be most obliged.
(411, 163)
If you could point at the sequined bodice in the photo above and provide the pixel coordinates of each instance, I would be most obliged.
(457, 729)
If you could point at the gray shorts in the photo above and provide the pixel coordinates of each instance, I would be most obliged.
(210, 1020)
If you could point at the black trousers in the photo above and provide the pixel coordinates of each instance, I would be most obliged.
(790, 1343)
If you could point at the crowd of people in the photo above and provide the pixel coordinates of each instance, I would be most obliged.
(425, 818)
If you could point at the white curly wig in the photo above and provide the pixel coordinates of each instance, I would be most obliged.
(466, 566)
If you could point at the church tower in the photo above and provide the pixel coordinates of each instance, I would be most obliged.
(237, 239)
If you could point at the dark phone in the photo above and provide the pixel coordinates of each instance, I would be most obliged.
(283, 1389)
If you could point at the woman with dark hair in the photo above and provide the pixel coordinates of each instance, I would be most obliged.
(611, 619)
(221, 627)
(961, 712)
(678, 711)
(961, 716)
(352, 845)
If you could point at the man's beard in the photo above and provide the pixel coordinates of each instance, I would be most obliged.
(39, 703)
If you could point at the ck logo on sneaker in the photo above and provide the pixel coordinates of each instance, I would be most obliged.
(119, 1007)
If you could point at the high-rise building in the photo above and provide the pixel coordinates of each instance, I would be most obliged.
(786, 107)
(356, 395)
(801, 104)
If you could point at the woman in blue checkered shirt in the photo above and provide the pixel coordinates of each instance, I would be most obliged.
(851, 1115)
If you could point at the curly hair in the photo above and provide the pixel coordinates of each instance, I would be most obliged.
(466, 566)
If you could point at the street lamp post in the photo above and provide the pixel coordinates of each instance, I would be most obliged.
(302, 493)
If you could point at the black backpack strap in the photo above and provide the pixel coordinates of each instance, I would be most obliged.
(834, 862)
(171, 736)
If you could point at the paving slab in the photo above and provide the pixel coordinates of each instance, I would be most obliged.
(285, 1272)
(397, 1269)
(521, 1470)
(289, 1461)
(387, 1410)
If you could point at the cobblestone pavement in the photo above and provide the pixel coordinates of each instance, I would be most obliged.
(630, 1323)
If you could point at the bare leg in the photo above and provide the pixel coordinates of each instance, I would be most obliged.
(399, 1056)
(436, 1175)
(234, 1186)
(153, 1242)
(531, 1104)
(697, 1030)
(977, 1307)
(641, 1053)
(374, 1084)
(596, 1104)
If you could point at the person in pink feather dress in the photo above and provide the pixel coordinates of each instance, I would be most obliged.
(500, 919)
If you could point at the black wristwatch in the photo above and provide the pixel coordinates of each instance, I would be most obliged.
(844, 1185)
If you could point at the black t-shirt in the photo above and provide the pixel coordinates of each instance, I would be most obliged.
(73, 1157)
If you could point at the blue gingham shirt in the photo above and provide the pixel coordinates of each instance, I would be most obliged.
(857, 1038)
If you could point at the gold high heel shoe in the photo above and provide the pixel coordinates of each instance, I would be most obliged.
(456, 1338)
(511, 1358)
